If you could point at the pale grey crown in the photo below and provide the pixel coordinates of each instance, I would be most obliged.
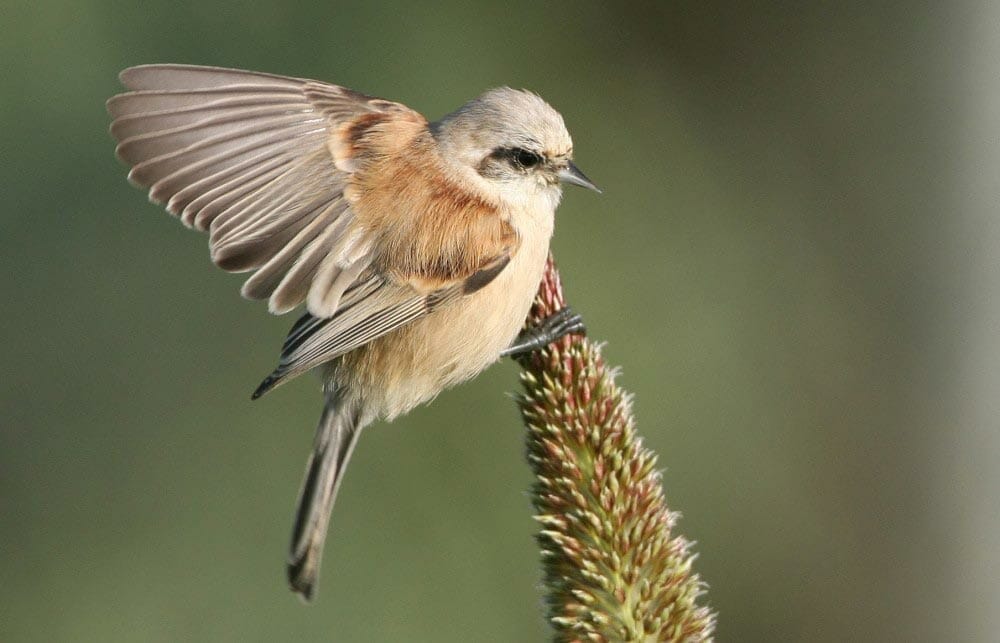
(489, 131)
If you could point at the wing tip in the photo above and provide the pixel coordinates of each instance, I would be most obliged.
(321, 303)
(110, 106)
(130, 76)
(272, 380)
(276, 305)
(136, 180)
(124, 74)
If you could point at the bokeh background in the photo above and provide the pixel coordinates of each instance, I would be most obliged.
(795, 263)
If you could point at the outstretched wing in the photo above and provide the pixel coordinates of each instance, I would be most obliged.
(248, 157)
(332, 197)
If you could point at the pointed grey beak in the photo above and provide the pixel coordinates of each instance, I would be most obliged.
(572, 174)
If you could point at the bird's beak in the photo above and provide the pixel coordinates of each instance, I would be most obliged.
(572, 174)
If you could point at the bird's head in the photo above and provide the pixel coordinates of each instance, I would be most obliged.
(514, 141)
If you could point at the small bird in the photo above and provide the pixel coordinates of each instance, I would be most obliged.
(416, 247)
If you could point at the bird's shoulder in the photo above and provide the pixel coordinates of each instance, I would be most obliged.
(427, 219)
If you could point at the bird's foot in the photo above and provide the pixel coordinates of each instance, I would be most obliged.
(557, 325)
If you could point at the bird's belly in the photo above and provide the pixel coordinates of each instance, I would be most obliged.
(413, 364)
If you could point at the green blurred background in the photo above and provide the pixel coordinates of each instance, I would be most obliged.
(794, 263)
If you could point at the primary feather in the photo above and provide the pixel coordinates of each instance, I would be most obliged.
(245, 156)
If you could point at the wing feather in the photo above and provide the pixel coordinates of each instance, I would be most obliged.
(192, 195)
(294, 287)
(179, 76)
(290, 177)
(314, 341)
(369, 309)
(245, 156)
(266, 279)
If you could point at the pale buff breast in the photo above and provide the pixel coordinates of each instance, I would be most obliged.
(412, 364)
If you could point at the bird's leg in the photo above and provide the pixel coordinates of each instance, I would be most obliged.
(559, 324)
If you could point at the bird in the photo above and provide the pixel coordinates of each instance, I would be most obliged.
(415, 248)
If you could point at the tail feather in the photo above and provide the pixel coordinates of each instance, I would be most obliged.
(338, 432)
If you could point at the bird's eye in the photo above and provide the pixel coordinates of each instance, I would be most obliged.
(525, 158)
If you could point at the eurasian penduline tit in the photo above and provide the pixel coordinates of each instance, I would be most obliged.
(416, 247)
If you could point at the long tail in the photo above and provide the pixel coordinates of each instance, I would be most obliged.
(338, 431)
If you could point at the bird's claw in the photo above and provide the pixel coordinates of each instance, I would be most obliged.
(559, 324)
(564, 322)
